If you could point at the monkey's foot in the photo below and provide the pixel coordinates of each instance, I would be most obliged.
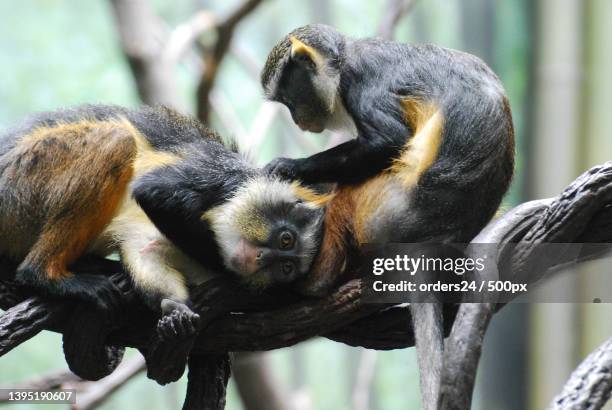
(177, 323)
(96, 290)
(169, 350)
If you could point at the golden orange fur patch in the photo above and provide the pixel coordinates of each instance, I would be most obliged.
(349, 210)
(338, 229)
(86, 167)
(427, 123)
(310, 196)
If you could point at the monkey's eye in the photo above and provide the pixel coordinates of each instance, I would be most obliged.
(287, 268)
(286, 240)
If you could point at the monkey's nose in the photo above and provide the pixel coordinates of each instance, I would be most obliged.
(263, 257)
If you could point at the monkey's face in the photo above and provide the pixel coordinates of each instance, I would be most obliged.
(267, 233)
(283, 257)
(302, 72)
(301, 91)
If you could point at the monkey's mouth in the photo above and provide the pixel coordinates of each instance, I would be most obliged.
(316, 128)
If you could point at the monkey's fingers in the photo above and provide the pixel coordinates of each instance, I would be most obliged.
(166, 328)
(196, 321)
(179, 324)
(285, 168)
(187, 329)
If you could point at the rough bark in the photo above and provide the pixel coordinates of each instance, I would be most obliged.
(577, 215)
(590, 385)
(207, 382)
(582, 213)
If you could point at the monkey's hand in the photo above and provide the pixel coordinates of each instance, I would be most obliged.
(285, 168)
(168, 352)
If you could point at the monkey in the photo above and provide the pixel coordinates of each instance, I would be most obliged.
(444, 187)
(432, 157)
(363, 86)
(175, 201)
(434, 148)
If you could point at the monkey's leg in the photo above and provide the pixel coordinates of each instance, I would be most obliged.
(45, 269)
(71, 178)
(151, 259)
(148, 256)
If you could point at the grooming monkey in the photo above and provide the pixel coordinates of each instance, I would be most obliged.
(156, 186)
(434, 150)
(432, 157)
(367, 87)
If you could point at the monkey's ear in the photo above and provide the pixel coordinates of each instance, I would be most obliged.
(304, 54)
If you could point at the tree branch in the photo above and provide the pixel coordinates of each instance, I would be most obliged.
(214, 55)
(395, 10)
(51, 381)
(185, 35)
(24, 321)
(280, 318)
(590, 385)
(142, 36)
(96, 393)
(574, 216)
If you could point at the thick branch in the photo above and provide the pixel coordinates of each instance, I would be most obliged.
(590, 385)
(26, 320)
(574, 216)
(280, 318)
(207, 382)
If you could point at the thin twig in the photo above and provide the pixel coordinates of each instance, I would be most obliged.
(185, 35)
(214, 56)
(51, 381)
(363, 381)
(395, 10)
(96, 393)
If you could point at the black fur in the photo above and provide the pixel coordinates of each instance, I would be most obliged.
(174, 197)
(374, 76)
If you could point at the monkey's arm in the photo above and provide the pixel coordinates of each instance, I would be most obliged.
(351, 161)
(172, 202)
(382, 134)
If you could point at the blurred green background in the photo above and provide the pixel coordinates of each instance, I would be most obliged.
(554, 59)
